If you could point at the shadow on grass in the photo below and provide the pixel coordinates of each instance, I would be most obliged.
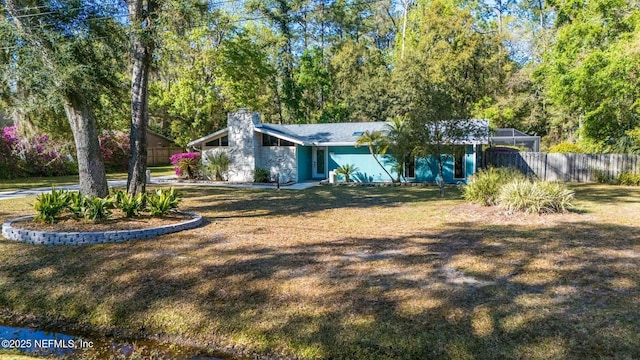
(271, 202)
(603, 193)
(569, 290)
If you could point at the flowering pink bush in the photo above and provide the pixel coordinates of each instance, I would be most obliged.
(36, 155)
(8, 158)
(186, 164)
(115, 151)
(10, 134)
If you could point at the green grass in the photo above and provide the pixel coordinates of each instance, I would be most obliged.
(353, 273)
(28, 183)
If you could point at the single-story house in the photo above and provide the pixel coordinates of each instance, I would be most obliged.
(304, 152)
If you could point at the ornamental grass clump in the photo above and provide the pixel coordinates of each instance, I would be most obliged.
(539, 197)
(487, 184)
(629, 178)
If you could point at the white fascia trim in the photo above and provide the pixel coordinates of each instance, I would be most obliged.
(280, 136)
(334, 144)
(208, 137)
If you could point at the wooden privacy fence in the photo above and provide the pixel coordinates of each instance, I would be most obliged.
(565, 167)
(160, 155)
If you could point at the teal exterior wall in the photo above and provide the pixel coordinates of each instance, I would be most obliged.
(370, 171)
(470, 160)
(427, 168)
(304, 162)
(368, 168)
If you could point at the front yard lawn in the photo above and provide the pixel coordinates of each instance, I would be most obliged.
(353, 273)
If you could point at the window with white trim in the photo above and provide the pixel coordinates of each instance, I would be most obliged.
(268, 140)
(409, 169)
(221, 141)
(458, 162)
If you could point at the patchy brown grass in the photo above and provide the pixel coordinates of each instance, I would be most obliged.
(359, 273)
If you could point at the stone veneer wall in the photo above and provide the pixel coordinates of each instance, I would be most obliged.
(210, 152)
(279, 160)
(243, 145)
(88, 238)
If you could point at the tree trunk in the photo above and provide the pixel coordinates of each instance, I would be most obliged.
(142, 53)
(93, 180)
(373, 153)
(440, 170)
(136, 180)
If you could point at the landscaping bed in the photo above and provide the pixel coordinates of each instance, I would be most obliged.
(116, 222)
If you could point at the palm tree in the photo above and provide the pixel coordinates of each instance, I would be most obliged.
(400, 145)
(218, 163)
(377, 143)
(346, 170)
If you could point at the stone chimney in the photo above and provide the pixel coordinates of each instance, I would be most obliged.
(243, 144)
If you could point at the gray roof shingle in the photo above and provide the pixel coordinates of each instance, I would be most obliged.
(324, 134)
(334, 134)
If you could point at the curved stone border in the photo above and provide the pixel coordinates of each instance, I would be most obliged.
(88, 238)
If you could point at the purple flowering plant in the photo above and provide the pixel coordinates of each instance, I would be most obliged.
(36, 155)
(114, 147)
(186, 164)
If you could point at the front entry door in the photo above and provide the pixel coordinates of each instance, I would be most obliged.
(319, 155)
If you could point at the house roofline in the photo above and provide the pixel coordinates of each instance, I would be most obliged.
(270, 132)
(353, 143)
(208, 137)
(161, 136)
(343, 143)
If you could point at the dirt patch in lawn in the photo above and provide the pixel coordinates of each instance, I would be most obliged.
(116, 222)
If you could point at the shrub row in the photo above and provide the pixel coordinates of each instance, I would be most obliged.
(625, 178)
(32, 156)
(486, 185)
(40, 155)
(514, 191)
(50, 207)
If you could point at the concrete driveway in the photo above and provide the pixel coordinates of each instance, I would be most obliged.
(160, 180)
